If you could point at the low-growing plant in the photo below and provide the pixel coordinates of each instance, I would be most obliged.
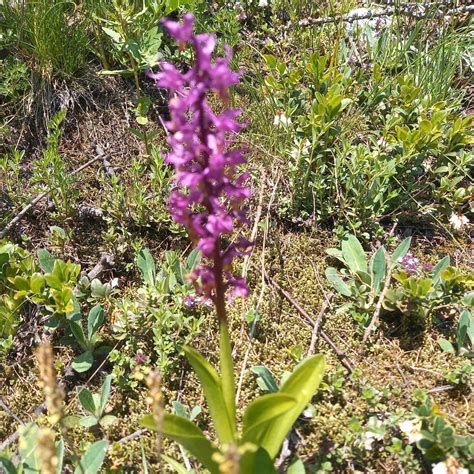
(165, 308)
(363, 280)
(50, 173)
(95, 404)
(464, 345)
(87, 341)
(47, 36)
(138, 196)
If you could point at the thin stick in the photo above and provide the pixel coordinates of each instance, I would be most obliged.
(317, 324)
(41, 196)
(134, 435)
(262, 291)
(378, 307)
(408, 9)
(345, 361)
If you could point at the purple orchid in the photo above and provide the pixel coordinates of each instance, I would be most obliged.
(210, 193)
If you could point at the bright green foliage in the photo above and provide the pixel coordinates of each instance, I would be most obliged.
(30, 461)
(14, 264)
(362, 279)
(411, 142)
(87, 341)
(138, 197)
(164, 307)
(266, 421)
(464, 344)
(50, 173)
(439, 439)
(422, 295)
(51, 40)
(94, 404)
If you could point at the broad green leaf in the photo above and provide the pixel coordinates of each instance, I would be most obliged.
(94, 320)
(256, 460)
(400, 251)
(446, 346)
(354, 254)
(28, 448)
(193, 259)
(296, 467)
(78, 333)
(378, 269)
(464, 328)
(46, 260)
(261, 412)
(37, 283)
(71, 421)
(8, 466)
(87, 400)
(146, 265)
(179, 468)
(438, 268)
(60, 455)
(116, 37)
(83, 362)
(88, 421)
(105, 393)
(301, 385)
(364, 277)
(91, 462)
(188, 435)
(212, 387)
(180, 409)
(107, 420)
(266, 377)
(336, 281)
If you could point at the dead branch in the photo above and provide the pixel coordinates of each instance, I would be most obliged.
(317, 324)
(414, 10)
(341, 355)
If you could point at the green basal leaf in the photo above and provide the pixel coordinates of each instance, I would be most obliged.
(8, 466)
(87, 400)
(107, 420)
(28, 449)
(301, 385)
(354, 254)
(212, 387)
(94, 320)
(446, 346)
(71, 421)
(261, 412)
(60, 455)
(105, 393)
(464, 328)
(77, 332)
(83, 362)
(265, 376)
(146, 265)
(378, 269)
(46, 260)
(88, 421)
(188, 435)
(400, 251)
(336, 281)
(91, 462)
(179, 468)
(296, 467)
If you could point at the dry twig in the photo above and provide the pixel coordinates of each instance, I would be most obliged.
(342, 356)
